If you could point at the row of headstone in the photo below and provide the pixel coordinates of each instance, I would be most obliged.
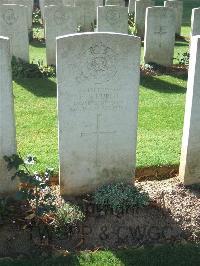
(98, 83)
(63, 20)
(140, 14)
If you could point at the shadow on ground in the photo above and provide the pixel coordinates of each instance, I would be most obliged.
(156, 84)
(41, 87)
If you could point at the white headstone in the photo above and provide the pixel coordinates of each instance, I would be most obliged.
(99, 3)
(159, 35)
(59, 20)
(131, 6)
(178, 8)
(115, 2)
(13, 24)
(190, 154)
(98, 83)
(27, 3)
(68, 2)
(89, 9)
(195, 23)
(112, 19)
(140, 13)
(44, 3)
(7, 121)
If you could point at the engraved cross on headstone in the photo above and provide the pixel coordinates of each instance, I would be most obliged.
(98, 134)
(161, 32)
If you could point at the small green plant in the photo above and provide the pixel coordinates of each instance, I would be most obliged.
(37, 17)
(21, 69)
(120, 196)
(66, 217)
(34, 187)
(47, 208)
(131, 24)
(183, 59)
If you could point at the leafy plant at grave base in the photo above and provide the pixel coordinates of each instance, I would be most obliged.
(47, 208)
(183, 59)
(33, 186)
(66, 218)
(37, 17)
(21, 69)
(37, 35)
(131, 24)
(79, 28)
(151, 66)
(121, 196)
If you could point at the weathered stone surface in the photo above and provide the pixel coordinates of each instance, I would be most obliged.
(99, 3)
(115, 2)
(190, 154)
(195, 23)
(178, 9)
(98, 80)
(44, 3)
(131, 6)
(159, 35)
(13, 24)
(89, 9)
(59, 20)
(7, 123)
(140, 12)
(112, 19)
(27, 3)
(68, 2)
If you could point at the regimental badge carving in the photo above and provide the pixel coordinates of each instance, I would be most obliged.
(10, 17)
(98, 62)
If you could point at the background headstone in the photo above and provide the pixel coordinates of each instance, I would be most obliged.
(13, 24)
(27, 3)
(140, 13)
(131, 6)
(178, 8)
(89, 9)
(112, 19)
(59, 21)
(115, 2)
(44, 3)
(7, 121)
(190, 154)
(98, 82)
(68, 2)
(159, 36)
(99, 3)
(195, 21)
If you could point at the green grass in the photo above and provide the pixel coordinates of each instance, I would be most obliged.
(179, 255)
(161, 112)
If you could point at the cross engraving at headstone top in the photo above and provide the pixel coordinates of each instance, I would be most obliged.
(98, 134)
(162, 31)
(159, 37)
